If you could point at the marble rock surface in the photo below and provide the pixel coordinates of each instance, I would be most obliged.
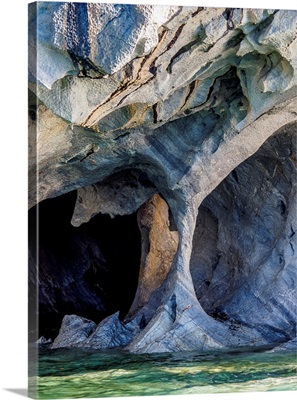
(187, 117)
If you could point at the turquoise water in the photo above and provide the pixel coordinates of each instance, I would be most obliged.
(76, 373)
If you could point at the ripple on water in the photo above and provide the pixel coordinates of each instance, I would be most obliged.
(76, 373)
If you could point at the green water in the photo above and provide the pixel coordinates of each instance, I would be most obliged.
(75, 373)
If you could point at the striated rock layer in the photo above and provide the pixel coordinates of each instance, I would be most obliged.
(183, 119)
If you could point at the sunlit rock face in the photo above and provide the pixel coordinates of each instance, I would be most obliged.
(179, 124)
(159, 245)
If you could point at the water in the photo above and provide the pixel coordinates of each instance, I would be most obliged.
(75, 373)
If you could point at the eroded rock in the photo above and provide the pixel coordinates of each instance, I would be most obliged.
(70, 36)
(121, 194)
(175, 112)
(158, 247)
(74, 331)
(111, 332)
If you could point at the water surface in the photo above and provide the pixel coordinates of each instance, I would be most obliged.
(75, 373)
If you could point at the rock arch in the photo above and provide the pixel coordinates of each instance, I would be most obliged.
(191, 105)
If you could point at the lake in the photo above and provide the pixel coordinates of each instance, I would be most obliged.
(75, 373)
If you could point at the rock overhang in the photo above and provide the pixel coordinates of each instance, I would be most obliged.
(184, 108)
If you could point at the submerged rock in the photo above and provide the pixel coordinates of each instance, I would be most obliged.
(187, 118)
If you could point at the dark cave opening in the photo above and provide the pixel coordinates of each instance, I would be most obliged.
(91, 270)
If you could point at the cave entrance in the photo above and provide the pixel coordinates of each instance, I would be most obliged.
(91, 270)
(243, 261)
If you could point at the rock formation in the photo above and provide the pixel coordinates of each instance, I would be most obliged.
(180, 124)
(159, 246)
(74, 330)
